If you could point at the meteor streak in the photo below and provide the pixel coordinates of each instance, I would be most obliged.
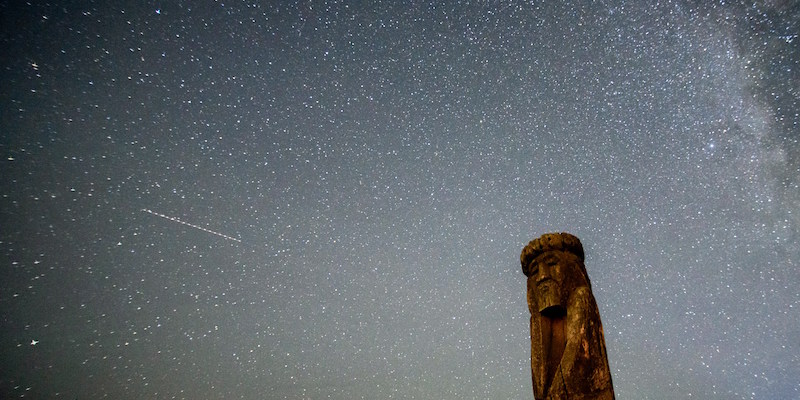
(173, 219)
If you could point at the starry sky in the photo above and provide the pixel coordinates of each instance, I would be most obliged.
(327, 200)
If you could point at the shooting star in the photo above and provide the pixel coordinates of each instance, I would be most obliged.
(173, 219)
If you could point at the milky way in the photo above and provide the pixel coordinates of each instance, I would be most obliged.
(369, 174)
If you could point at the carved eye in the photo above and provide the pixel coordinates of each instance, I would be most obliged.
(551, 261)
(533, 267)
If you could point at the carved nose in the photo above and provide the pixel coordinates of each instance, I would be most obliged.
(544, 273)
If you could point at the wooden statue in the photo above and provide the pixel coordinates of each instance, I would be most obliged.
(568, 351)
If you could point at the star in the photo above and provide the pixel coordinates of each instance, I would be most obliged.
(34, 342)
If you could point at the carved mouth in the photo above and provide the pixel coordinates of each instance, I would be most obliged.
(547, 285)
(545, 282)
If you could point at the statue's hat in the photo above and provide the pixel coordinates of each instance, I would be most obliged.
(550, 242)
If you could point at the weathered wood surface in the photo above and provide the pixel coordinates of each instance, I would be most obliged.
(568, 351)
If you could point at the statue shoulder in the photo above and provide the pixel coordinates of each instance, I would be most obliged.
(581, 303)
(582, 294)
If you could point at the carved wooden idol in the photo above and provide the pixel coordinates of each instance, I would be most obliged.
(568, 351)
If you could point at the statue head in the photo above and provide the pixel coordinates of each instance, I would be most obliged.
(554, 266)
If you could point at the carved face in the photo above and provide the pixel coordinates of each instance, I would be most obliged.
(554, 275)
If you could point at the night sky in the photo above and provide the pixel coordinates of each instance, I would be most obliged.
(327, 200)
